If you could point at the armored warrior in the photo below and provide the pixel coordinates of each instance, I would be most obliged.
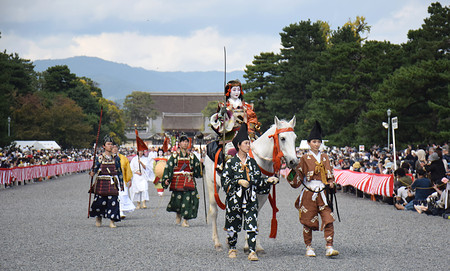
(181, 169)
(106, 185)
(242, 181)
(315, 173)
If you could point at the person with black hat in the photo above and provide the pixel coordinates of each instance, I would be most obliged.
(315, 173)
(242, 181)
(106, 185)
(179, 173)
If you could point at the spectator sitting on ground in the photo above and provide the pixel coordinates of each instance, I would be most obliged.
(356, 167)
(435, 203)
(422, 187)
(371, 167)
(421, 159)
(402, 184)
(436, 169)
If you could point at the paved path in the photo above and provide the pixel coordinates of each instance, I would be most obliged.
(44, 226)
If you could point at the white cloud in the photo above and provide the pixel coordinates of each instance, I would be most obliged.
(181, 35)
(395, 27)
(85, 11)
(202, 50)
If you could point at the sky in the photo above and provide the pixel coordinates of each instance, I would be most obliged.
(185, 35)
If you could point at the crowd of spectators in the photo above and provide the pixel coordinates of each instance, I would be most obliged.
(421, 174)
(12, 156)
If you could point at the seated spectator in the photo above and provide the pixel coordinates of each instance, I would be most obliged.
(388, 165)
(356, 167)
(402, 183)
(421, 159)
(436, 169)
(436, 203)
(422, 187)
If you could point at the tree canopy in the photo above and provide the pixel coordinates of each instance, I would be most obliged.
(137, 108)
(347, 82)
(53, 105)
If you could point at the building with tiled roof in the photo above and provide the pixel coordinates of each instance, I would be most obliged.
(178, 112)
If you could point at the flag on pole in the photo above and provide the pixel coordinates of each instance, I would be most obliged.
(141, 146)
(165, 146)
(190, 143)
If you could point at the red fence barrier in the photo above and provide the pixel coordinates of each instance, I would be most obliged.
(7, 175)
(370, 183)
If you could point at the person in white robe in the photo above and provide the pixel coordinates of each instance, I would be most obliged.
(139, 182)
(125, 204)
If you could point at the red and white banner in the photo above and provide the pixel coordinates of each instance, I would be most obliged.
(7, 175)
(370, 183)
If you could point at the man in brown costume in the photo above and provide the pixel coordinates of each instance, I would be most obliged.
(315, 173)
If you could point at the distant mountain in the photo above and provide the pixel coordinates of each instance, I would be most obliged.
(118, 80)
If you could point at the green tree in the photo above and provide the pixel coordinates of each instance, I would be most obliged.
(260, 85)
(58, 79)
(432, 40)
(210, 108)
(302, 43)
(112, 121)
(31, 117)
(358, 27)
(67, 124)
(419, 96)
(17, 79)
(137, 108)
(337, 96)
(63, 121)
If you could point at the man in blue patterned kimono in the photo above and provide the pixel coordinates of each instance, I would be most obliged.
(242, 181)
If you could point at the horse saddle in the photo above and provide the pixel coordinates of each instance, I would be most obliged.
(211, 150)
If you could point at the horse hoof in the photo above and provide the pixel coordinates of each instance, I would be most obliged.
(218, 247)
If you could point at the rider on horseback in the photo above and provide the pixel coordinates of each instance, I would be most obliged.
(231, 115)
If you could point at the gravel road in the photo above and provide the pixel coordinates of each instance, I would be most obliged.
(44, 226)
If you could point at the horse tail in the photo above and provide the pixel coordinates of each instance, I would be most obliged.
(216, 194)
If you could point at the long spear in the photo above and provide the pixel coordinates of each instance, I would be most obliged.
(93, 161)
(224, 103)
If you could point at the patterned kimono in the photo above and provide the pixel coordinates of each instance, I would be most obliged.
(182, 201)
(241, 113)
(312, 200)
(106, 199)
(242, 203)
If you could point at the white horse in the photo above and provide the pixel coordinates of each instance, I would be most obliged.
(262, 150)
